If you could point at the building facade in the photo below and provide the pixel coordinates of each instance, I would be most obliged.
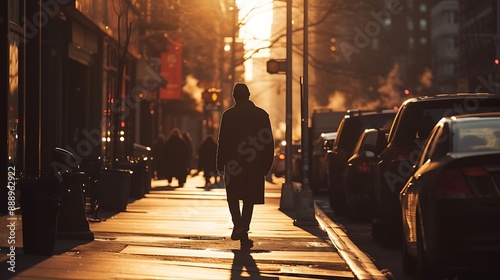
(64, 86)
(479, 45)
(445, 43)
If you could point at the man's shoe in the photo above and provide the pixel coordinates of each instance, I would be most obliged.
(237, 233)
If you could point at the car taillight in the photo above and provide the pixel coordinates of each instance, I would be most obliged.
(451, 184)
(364, 167)
(482, 184)
(475, 172)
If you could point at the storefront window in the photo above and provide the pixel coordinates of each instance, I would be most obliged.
(12, 101)
(109, 87)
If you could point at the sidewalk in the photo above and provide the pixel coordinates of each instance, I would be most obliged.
(183, 233)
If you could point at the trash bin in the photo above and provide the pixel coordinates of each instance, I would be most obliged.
(72, 222)
(138, 187)
(40, 198)
(92, 169)
(114, 188)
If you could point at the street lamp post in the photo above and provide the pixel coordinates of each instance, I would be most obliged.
(287, 190)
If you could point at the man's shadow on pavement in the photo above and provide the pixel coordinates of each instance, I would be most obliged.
(243, 261)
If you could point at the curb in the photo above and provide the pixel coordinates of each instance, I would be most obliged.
(361, 266)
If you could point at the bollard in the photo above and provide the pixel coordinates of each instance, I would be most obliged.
(305, 209)
(287, 199)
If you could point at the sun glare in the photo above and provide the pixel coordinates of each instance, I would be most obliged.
(257, 17)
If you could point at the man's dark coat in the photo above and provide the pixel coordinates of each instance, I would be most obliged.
(245, 150)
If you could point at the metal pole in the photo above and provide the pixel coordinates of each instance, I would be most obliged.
(305, 213)
(233, 44)
(287, 192)
(289, 79)
(305, 103)
(497, 44)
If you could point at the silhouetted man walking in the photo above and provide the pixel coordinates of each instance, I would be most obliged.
(245, 151)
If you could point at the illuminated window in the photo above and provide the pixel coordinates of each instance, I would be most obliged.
(423, 7)
(410, 24)
(423, 24)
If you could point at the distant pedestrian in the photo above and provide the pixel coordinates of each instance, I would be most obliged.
(158, 160)
(207, 160)
(244, 156)
(186, 136)
(175, 155)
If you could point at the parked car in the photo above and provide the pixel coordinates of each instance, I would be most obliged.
(278, 168)
(351, 127)
(320, 148)
(415, 119)
(359, 173)
(297, 162)
(451, 204)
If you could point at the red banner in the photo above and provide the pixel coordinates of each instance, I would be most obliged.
(171, 70)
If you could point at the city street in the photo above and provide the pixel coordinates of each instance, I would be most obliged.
(388, 260)
(388, 112)
(183, 233)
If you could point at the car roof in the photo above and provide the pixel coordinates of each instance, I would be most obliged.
(359, 112)
(471, 117)
(479, 115)
(445, 96)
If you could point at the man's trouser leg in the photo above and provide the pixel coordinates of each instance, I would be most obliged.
(234, 209)
(246, 217)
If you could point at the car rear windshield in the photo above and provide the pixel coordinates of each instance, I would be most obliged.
(481, 134)
(414, 122)
(351, 128)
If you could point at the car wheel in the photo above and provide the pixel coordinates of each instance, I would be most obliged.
(376, 229)
(353, 212)
(409, 262)
(338, 203)
(426, 270)
(390, 227)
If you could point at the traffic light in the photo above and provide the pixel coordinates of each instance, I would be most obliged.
(214, 96)
(276, 66)
(211, 96)
(205, 96)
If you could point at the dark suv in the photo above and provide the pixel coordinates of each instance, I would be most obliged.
(351, 127)
(415, 119)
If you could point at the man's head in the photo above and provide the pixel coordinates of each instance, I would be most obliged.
(240, 92)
